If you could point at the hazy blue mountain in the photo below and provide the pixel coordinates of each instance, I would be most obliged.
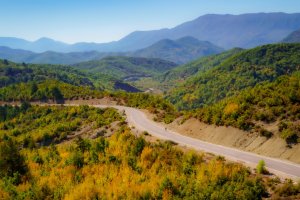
(294, 37)
(16, 55)
(246, 30)
(13, 42)
(50, 57)
(40, 45)
(180, 51)
(227, 31)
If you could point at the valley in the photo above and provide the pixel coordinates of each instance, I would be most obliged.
(206, 108)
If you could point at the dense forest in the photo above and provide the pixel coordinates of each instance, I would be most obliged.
(107, 167)
(12, 73)
(269, 102)
(180, 73)
(242, 70)
(48, 90)
(122, 67)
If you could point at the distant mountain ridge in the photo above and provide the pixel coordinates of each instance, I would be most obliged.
(294, 37)
(226, 31)
(40, 45)
(179, 51)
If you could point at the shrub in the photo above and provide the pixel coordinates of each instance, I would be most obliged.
(265, 133)
(261, 167)
(76, 159)
(290, 136)
(288, 189)
(145, 133)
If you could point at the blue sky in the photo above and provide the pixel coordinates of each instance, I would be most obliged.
(107, 20)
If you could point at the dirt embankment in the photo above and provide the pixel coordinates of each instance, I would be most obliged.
(232, 137)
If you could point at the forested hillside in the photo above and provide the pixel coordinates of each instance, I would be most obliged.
(34, 168)
(11, 73)
(276, 102)
(242, 70)
(183, 72)
(15, 73)
(126, 67)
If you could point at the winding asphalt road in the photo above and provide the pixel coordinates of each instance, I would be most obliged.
(139, 120)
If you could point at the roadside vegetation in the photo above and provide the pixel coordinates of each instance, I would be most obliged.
(103, 167)
(271, 102)
(121, 166)
(53, 91)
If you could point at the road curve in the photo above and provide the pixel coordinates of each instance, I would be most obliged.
(138, 119)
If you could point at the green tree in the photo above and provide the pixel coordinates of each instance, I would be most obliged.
(261, 167)
(76, 159)
(33, 88)
(56, 94)
(11, 161)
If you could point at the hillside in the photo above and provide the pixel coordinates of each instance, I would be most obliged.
(242, 70)
(35, 167)
(97, 166)
(47, 91)
(269, 108)
(294, 37)
(179, 51)
(183, 72)
(11, 73)
(126, 67)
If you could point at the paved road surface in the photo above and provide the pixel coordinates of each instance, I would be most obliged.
(139, 120)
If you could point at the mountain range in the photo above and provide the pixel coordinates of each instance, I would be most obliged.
(294, 37)
(179, 51)
(227, 31)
